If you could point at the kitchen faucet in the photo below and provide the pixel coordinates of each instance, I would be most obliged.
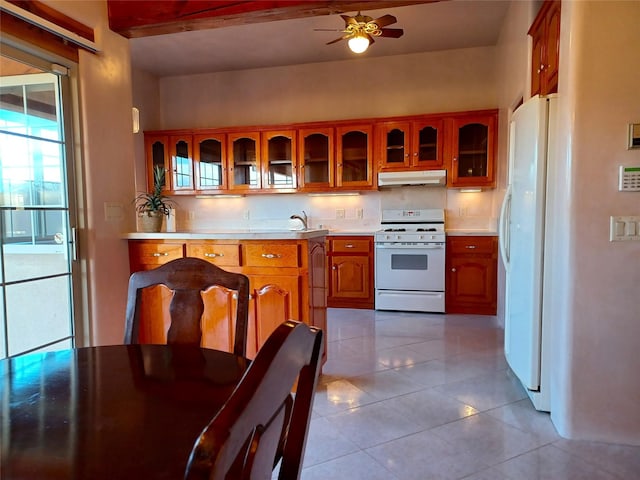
(302, 218)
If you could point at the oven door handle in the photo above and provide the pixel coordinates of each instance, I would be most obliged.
(421, 247)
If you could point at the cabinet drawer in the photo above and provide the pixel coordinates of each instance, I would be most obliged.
(347, 245)
(154, 254)
(468, 245)
(218, 254)
(271, 255)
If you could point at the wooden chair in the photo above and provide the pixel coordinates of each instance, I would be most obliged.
(188, 278)
(262, 423)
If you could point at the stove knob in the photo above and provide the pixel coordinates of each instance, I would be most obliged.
(420, 237)
(398, 237)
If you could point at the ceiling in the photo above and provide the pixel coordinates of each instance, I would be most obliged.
(442, 25)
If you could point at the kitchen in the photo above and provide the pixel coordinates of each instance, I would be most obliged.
(464, 79)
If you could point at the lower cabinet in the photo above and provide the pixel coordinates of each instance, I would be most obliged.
(286, 279)
(350, 271)
(471, 275)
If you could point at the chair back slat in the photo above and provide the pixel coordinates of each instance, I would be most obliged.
(187, 278)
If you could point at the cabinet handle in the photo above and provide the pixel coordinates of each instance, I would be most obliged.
(455, 159)
(213, 255)
(158, 254)
(470, 246)
(348, 245)
(453, 270)
(271, 255)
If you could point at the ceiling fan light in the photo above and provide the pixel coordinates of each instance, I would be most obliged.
(358, 43)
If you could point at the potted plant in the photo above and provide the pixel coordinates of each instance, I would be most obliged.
(153, 206)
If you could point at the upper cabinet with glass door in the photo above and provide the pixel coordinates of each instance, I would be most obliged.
(181, 163)
(316, 158)
(410, 145)
(279, 160)
(157, 155)
(210, 162)
(354, 159)
(243, 149)
(472, 144)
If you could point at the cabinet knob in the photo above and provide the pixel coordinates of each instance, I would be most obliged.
(334, 268)
(453, 269)
(213, 255)
(455, 159)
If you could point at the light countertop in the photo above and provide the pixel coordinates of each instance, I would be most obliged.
(472, 233)
(240, 234)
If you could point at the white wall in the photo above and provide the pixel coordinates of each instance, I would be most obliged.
(596, 374)
(106, 144)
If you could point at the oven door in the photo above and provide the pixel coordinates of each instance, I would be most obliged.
(411, 267)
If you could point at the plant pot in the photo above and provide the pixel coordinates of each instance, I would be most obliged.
(150, 222)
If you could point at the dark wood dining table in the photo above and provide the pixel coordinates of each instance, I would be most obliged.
(110, 412)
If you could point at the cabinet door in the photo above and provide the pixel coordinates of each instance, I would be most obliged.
(157, 155)
(181, 163)
(210, 162)
(473, 150)
(354, 156)
(552, 48)
(244, 161)
(537, 61)
(316, 158)
(275, 300)
(394, 146)
(350, 277)
(427, 144)
(279, 162)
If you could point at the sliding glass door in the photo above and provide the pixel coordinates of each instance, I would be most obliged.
(36, 212)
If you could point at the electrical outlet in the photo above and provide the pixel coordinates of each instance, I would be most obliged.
(245, 215)
(462, 211)
(359, 213)
(191, 215)
(340, 213)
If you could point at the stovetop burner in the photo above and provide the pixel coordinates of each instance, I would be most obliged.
(395, 230)
(431, 229)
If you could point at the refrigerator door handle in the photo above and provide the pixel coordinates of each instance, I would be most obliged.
(503, 227)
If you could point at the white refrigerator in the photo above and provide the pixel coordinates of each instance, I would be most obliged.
(523, 230)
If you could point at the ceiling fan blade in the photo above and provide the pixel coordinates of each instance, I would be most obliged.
(391, 32)
(349, 20)
(328, 30)
(385, 20)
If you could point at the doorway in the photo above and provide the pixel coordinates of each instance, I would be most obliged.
(38, 252)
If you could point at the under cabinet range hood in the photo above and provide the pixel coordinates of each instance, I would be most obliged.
(432, 178)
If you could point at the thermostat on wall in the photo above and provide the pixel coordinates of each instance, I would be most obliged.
(629, 179)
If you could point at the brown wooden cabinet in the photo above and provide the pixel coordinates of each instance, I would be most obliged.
(156, 148)
(545, 53)
(471, 275)
(243, 150)
(350, 271)
(280, 160)
(472, 144)
(354, 156)
(316, 158)
(411, 144)
(287, 281)
(210, 162)
(181, 163)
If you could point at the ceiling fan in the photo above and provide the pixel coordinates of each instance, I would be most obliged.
(359, 30)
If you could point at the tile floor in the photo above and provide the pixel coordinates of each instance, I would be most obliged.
(428, 396)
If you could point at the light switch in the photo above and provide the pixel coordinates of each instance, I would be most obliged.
(624, 228)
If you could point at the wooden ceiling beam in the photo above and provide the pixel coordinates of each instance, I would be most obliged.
(140, 18)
